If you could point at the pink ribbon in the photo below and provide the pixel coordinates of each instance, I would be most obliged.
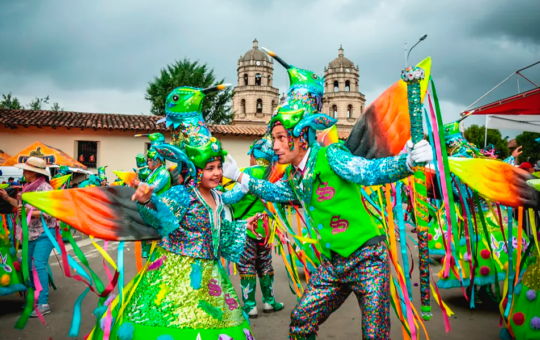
(38, 290)
(437, 143)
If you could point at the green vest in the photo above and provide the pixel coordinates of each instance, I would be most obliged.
(337, 212)
(250, 205)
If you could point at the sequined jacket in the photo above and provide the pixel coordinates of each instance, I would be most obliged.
(345, 165)
(190, 227)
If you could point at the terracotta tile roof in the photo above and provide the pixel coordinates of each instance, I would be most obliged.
(83, 120)
(114, 121)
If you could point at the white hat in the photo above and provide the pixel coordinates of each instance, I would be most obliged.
(34, 164)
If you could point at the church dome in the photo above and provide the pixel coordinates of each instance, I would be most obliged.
(341, 61)
(255, 53)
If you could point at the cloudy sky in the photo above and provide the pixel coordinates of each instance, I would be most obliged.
(98, 55)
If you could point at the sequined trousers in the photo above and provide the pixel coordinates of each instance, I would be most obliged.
(366, 273)
(256, 259)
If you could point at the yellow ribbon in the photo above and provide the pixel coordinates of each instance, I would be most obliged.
(103, 253)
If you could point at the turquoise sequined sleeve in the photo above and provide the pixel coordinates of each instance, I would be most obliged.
(170, 209)
(510, 160)
(279, 192)
(233, 239)
(233, 196)
(364, 171)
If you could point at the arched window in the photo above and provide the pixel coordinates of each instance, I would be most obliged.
(349, 111)
(245, 79)
(347, 86)
(336, 86)
(334, 111)
(259, 105)
(258, 79)
(243, 106)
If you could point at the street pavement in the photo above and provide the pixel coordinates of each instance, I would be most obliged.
(345, 324)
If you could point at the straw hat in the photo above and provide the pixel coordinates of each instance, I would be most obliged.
(34, 164)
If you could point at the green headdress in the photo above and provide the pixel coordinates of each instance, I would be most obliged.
(156, 138)
(101, 173)
(193, 144)
(141, 160)
(183, 109)
(303, 103)
(200, 155)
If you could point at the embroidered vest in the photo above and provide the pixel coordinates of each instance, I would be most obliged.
(337, 212)
(250, 204)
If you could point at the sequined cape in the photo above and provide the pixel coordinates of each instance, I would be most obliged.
(351, 168)
(189, 227)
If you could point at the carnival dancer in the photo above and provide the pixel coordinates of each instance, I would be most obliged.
(325, 180)
(39, 246)
(257, 257)
(488, 250)
(190, 217)
(159, 176)
(102, 176)
(182, 292)
(142, 167)
(62, 171)
(524, 322)
(92, 181)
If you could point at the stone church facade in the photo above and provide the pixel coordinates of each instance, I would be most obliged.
(255, 98)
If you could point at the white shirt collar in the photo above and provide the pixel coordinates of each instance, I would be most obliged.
(302, 165)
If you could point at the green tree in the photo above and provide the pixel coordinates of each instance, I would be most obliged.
(10, 102)
(530, 147)
(476, 135)
(215, 108)
(37, 104)
(56, 107)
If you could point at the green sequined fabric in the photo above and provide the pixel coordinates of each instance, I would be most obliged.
(165, 297)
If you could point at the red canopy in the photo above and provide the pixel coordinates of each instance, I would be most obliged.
(526, 103)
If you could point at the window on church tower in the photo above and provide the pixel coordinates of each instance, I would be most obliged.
(334, 111)
(269, 81)
(259, 105)
(258, 79)
(349, 111)
(348, 86)
(245, 79)
(243, 106)
(273, 106)
(336, 86)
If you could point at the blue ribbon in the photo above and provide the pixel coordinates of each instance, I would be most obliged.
(71, 262)
(76, 321)
(120, 260)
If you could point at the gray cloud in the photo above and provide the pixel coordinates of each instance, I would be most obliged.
(80, 50)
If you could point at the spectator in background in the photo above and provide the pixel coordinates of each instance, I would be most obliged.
(527, 167)
(11, 181)
(39, 245)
